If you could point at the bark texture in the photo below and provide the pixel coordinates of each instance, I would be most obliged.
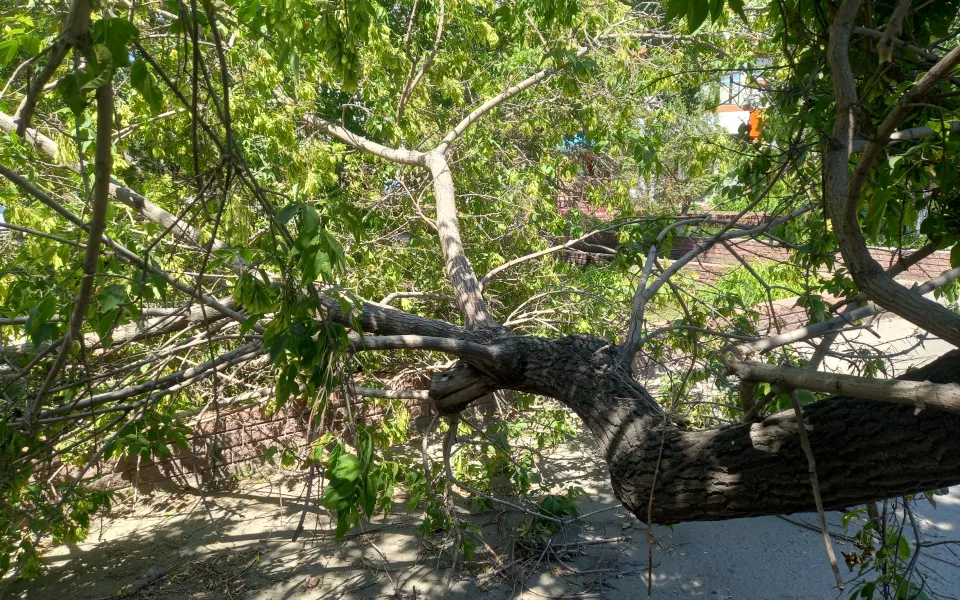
(865, 450)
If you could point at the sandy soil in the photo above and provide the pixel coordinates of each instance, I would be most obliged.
(236, 544)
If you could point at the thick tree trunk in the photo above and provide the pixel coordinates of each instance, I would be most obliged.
(865, 450)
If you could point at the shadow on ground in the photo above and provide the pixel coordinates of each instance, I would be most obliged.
(237, 544)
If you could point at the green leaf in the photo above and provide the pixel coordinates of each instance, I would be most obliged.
(8, 51)
(335, 249)
(111, 297)
(369, 496)
(675, 8)
(30, 44)
(277, 347)
(103, 323)
(103, 77)
(268, 454)
(490, 34)
(348, 467)
(365, 446)
(737, 7)
(115, 33)
(316, 264)
(311, 219)
(69, 90)
(38, 325)
(716, 9)
(143, 81)
(955, 256)
(697, 13)
(162, 450)
(286, 213)
(903, 548)
(343, 524)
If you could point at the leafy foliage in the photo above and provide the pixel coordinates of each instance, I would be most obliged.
(215, 122)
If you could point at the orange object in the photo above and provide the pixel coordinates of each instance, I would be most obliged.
(756, 120)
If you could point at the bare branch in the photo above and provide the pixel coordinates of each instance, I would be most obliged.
(103, 164)
(905, 135)
(460, 273)
(815, 486)
(393, 394)
(396, 155)
(921, 394)
(412, 80)
(425, 295)
(512, 263)
(385, 320)
(420, 342)
(890, 33)
(496, 101)
(873, 33)
(75, 27)
(43, 234)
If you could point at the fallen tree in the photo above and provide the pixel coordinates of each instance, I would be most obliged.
(882, 438)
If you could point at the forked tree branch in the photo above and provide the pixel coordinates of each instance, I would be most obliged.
(842, 192)
(75, 30)
(892, 30)
(496, 101)
(103, 164)
(644, 293)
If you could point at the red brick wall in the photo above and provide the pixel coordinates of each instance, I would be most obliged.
(750, 250)
(238, 438)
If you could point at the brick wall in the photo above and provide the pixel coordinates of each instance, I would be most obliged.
(226, 444)
(750, 250)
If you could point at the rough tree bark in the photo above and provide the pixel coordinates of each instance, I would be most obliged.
(865, 450)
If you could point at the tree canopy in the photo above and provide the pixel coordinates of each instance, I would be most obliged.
(227, 203)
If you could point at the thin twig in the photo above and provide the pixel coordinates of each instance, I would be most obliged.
(812, 469)
(653, 485)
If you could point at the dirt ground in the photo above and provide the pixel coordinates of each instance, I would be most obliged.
(237, 544)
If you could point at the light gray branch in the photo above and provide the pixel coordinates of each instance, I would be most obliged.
(396, 155)
(921, 394)
(459, 348)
